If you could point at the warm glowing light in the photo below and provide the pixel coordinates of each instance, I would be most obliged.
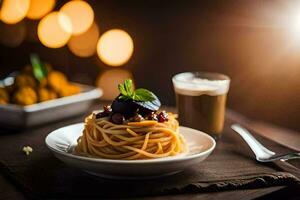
(50, 31)
(13, 11)
(81, 15)
(115, 47)
(295, 25)
(39, 8)
(84, 45)
(108, 80)
(12, 35)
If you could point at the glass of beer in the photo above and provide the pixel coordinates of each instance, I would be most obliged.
(201, 99)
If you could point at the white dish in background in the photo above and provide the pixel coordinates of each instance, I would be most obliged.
(62, 142)
(16, 116)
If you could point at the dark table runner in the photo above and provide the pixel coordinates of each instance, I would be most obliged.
(41, 175)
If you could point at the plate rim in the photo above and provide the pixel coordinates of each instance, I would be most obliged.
(142, 161)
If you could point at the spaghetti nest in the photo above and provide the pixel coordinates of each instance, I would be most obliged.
(134, 140)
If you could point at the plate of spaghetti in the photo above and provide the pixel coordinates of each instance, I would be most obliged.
(131, 138)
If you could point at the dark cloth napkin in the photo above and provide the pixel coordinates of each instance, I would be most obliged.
(41, 175)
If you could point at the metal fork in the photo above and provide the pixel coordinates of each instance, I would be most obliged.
(262, 153)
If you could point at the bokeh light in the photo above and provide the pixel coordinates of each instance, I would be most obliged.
(50, 31)
(12, 35)
(84, 45)
(39, 8)
(115, 47)
(81, 15)
(108, 80)
(13, 11)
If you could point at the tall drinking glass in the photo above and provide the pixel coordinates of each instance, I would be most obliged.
(201, 99)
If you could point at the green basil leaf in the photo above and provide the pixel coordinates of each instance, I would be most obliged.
(128, 93)
(39, 70)
(142, 94)
(122, 89)
(129, 87)
(124, 97)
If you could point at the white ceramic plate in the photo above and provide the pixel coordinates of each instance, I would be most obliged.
(62, 142)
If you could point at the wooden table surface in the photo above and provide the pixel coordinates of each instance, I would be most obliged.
(283, 136)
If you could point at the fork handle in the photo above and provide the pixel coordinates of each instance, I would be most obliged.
(258, 149)
(290, 156)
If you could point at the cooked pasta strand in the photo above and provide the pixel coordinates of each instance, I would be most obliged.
(134, 140)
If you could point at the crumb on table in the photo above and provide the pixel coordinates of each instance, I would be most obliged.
(27, 150)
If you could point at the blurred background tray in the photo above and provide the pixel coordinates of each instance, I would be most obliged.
(16, 116)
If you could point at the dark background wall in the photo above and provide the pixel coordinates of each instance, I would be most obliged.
(248, 40)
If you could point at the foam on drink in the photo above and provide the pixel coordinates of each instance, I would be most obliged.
(201, 99)
(191, 85)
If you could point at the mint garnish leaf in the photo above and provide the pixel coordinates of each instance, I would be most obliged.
(141, 94)
(126, 89)
(39, 70)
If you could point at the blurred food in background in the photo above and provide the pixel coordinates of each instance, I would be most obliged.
(74, 25)
(4, 96)
(36, 83)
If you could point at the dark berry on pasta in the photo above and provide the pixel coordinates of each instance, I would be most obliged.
(117, 118)
(101, 114)
(163, 116)
(124, 107)
(107, 109)
(151, 116)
